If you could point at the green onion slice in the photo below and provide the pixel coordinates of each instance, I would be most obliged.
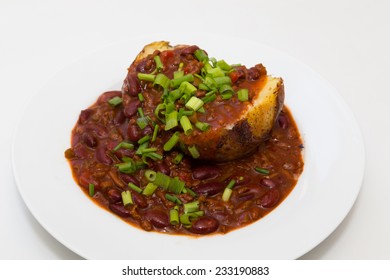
(186, 125)
(194, 103)
(202, 126)
(162, 80)
(191, 206)
(173, 198)
(262, 170)
(124, 145)
(171, 142)
(126, 198)
(155, 132)
(174, 216)
(201, 55)
(178, 158)
(171, 120)
(193, 151)
(135, 187)
(159, 64)
(146, 77)
(150, 175)
(242, 94)
(115, 101)
(149, 189)
(91, 189)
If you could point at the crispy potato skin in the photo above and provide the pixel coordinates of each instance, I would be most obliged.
(243, 135)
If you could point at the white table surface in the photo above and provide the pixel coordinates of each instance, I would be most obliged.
(346, 42)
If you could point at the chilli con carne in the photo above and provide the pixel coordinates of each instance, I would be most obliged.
(134, 151)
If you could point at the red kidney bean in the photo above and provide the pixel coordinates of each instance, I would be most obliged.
(89, 140)
(139, 200)
(146, 65)
(129, 179)
(134, 133)
(80, 151)
(147, 130)
(204, 225)
(253, 74)
(158, 218)
(132, 85)
(106, 96)
(119, 117)
(84, 115)
(120, 210)
(209, 189)
(283, 121)
(113, 195)
(100, 131)
(268, 183)
(131, 107)
(248, 192)
(124, 153)
(270, 198)
(189, 49)
(205, 172)
(102, 156)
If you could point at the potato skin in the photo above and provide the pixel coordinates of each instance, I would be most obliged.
(244, 134)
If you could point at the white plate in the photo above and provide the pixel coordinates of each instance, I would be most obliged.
(326, 191)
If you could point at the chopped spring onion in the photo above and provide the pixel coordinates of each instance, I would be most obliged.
(142, 122)
(135, 187)
(203, 86)
(149, 189)
(150, 175)
(202, 126)
(228, 191)
(141, 148)
(127, 167)
(146, 77)
(173, 198)
(144, 139)
(140, 112)
(141, 97)
(174, 95)
(186, 125)
(192, 206)
(171, 120)
(159, 64)
(193, 151)
(242, 94)
(154, 156)
(91, 189)
(225, 80)
(124, 145)
(262, 170)
(115, 101)
(174, 216)
(162, 80)
(157, 111)
(155, 132)
(126, 198)
(216, 72)
(162, 180)
(201, 55)
(176, 185)
(226, 96)
(209, 98)
(171, 142)
(178, 74)
(194, 103)
(175, 83)
(223, 65)
(191, 192)
(226, 89)
(187, 218)
(178, 158)
(187, 88)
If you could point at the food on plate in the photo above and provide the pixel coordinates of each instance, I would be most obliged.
(190, 145)
(237, 123)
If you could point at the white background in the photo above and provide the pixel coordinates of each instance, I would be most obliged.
(346, 42)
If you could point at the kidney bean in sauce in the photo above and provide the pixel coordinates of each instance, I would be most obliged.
(253, 196)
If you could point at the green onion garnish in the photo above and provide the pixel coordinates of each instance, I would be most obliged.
(191, 207)
(173, 198)
(187, 218)
(155, 132)
(228, 191)
(127, 167)
(186, 125)
(223, 65)
(91, 189)
(115, 101)
(159, 64)
(178, 74)
(202, 126)
(224, 80)
(126, 198)
(124, 145)
(201, 55)
(174, 216)
(171, 120)
(135, 187)
(178, 158)
(194, 103)
(150, 175)
(191, 192)
(175, 83)
(142, 122)
(262, 170)
(209, 98)
(146, 77)
(193, 151)
(144, 139)
(171, 142)
(141, 97)
(149, 189)
(162, 80)
(242, 94)
(176, 185)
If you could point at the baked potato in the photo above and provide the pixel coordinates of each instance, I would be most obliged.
(236, 128)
